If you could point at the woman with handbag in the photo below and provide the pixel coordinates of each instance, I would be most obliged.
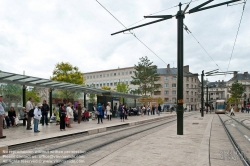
(62, 113)
(70, 115)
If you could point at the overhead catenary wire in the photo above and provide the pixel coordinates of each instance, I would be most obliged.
(236, 35)
(132, 33)
(189, 32)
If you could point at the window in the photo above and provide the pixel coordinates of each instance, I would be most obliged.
(100, 85)
(192, 93)
(166, 85)
(107, 75)
(100, 76)
(174, 85)
(166, 99)
(103, 75)
(195, 93)
(111, 84)
(130, 72)
(166, 92)
(122, 73)
(192, 86)
(192, 100)
(118, 74)
(173, 99)
(211, 94)
(126, 73)
(195, 80)
(166, 78)
(130, 80)
(187, 79)
(187, 99)
(192, 79)
(174, 78)
(107, 84)
(87, 77)
(111, 74)
(187, 93)
(90, 77)
(114, 74)
(96, 76)
(187, 85)
(173, 92)
(157, 92)
(93, 76)
(104, 84)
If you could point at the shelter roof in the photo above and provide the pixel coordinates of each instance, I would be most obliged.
(12, 78)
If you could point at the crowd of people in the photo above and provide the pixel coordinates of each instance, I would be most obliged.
(65, 114)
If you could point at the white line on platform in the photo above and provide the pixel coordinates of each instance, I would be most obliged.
(233, 125)
(247, 137)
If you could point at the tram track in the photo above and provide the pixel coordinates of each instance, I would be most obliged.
(88, 145)
(237, 137)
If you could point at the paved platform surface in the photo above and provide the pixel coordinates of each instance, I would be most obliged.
(204, 143)
(18, 135)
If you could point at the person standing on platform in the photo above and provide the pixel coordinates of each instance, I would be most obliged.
(153, 110)
(2, 115)
(100, 112)
(232, 111)
(37, 117)
(108, 108)
(159, 109)
(45, 110)
(116, 110)
(79, 113)
(148, 109)
(29, 106)
(125, 111)
(121, 110)
(62, 113)
(70, 115)
(247, 109)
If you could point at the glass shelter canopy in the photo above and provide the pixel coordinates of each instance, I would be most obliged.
(11, 78)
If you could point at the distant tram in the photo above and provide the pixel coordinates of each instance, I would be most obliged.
(220, 107)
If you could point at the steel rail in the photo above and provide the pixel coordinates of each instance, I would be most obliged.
(81, 141)
(245, 160)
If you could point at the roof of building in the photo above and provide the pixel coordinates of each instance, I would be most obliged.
(240, 76)
(216, 84)
(172, 71)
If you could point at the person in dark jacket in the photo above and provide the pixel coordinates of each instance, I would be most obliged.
(12, 115)
(62, 113)
(159, 109)
(100, 112)
(121, 110)
(45, 110)
(79, 113)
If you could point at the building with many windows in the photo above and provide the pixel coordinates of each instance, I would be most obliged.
(168, 80)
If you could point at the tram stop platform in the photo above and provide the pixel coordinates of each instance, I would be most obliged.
(19, 135)
(204, 143)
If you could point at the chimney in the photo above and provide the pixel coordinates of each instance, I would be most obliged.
(168, 68)
(235, 73)
(186, 69)
(218, 83)
(246, 73)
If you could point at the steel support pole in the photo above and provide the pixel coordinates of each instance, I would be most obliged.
(207, 96)
(24, 96)
(50, 102)
(202, 94)
(84, 100)
(180, 18)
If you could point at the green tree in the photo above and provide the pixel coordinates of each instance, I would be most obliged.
(106, 88)
(160, 100)
(92, 98)
(236, 90)
(122, 87)
(65, 72)
(32, 92)
(146, 77)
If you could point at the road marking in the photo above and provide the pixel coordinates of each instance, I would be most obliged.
(233, 125)
(247, 137)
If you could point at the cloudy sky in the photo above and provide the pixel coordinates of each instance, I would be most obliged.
(37, 34)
